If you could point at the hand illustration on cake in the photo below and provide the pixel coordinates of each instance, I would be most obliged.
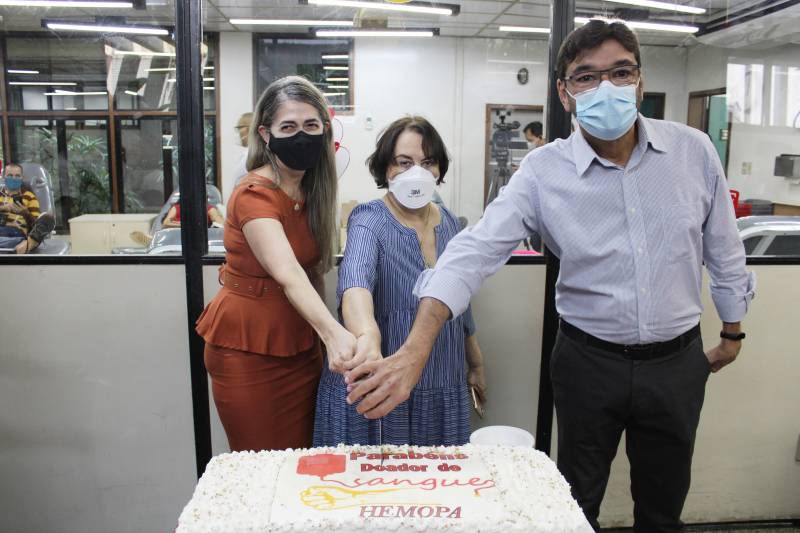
(327, 498)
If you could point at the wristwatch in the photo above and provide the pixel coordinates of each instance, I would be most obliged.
(732, 336)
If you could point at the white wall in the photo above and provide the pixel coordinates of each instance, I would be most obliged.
(744, 467)
(664, 71)
(96, 422)
(236, 98)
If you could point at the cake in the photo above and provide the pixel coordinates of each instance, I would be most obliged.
(376, 489)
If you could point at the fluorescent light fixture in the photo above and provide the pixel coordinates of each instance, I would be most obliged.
(105, 28)
(525, 29)
(44, 83)
(143, 53)
(209, 88)
(662, 5)
(335, 67)
(21, 71)
(132, 93)
(173, 80)
(337, 79)
(406, 8)
(375, 33)
(171, 69)
(65, 3)
(73, 93)
(290, 22)
(345, 87)
(644, 25)
(335, 56)
(333, 94)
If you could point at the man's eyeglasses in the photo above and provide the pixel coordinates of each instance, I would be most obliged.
(590, 79)
(406, 163)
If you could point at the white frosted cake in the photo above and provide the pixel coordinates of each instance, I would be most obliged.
(375, 489)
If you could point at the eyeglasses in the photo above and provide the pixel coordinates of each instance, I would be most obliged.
(590, 79)
(406, 163)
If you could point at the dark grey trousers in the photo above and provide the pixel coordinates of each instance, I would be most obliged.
(598, 394)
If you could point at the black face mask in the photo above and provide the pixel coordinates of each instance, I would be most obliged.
(301, 151)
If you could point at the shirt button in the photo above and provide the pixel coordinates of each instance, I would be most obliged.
(639, 250)
(644, 291)
(633, 210)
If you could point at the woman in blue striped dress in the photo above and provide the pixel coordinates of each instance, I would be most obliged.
(389, 243)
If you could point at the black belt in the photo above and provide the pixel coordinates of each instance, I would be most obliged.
(632, 351)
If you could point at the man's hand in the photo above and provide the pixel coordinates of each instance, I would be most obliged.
(383, 385)
(21, 248)
(723, 354)
(340, 345)
(477, 379)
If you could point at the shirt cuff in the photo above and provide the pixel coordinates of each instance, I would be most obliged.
(446, 288)
(733, 307)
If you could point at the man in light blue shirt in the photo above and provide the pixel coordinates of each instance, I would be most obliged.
(633, 207)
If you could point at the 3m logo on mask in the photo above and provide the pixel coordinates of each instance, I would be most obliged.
(414, 187)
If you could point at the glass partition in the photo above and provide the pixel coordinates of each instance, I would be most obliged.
(91, 113)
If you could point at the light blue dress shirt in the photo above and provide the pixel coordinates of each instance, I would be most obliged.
(632, 240)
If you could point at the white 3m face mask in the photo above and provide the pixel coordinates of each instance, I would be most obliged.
(414, 187)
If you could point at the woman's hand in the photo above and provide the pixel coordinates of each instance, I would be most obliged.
(477, 380)
(341, 347)
(368, 348)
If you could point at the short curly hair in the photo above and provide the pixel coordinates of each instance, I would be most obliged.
(432, 146)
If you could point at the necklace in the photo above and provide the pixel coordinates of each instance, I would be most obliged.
(278, 183)
(420, 239)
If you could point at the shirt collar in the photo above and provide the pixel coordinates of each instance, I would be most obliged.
(584, 154)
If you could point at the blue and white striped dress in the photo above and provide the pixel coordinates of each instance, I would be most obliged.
(384, 257)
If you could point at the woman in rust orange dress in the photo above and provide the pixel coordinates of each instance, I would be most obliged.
(263, 328)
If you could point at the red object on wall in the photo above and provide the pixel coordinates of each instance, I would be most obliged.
(322, 464)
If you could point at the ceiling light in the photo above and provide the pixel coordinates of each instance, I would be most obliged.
(45, 83)
(336, 79)
(407, 8)
(143, 53)
(173, 80)
(103, 28)
(661, 5)
(526, 29)
(290, 22)
(333, 94)
(132, 93)
(21, 71)
(335, 67)
(643, 25)
(345, 87)
(171, 69)
(65, 3)
(375, 33)
(73, 93)
(335, 56)
(209, 88)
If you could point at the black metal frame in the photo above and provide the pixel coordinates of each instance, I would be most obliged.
(558, 127)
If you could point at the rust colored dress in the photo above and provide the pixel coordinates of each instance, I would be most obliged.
(264, 359)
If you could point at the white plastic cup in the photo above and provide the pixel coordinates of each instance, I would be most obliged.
(503, 435)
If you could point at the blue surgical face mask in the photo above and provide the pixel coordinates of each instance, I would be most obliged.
(607, 112)
(13, 183)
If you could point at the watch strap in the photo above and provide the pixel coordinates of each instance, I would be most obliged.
(732, 336)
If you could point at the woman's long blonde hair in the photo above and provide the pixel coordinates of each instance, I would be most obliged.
(320, 182)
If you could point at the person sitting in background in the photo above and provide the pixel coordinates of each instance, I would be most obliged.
(22, 226)
(173, 219)
(534, 135)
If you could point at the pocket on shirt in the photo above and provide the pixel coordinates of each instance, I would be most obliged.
(682, 230)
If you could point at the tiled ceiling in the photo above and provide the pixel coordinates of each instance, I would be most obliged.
(477, 18)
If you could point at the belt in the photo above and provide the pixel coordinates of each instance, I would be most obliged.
(249, 286)
(632, 351)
